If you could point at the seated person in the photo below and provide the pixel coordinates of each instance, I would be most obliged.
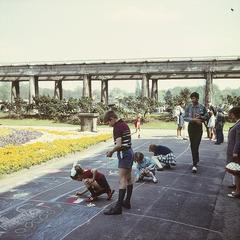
(95, 182)
(163, 155)
(145, 167)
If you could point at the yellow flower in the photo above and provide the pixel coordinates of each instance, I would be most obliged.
(13, 158)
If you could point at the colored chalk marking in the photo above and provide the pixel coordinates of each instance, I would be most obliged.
(71, 199)
(91, 205)
(78, 200)
(115, 173)
(20, 195)
(39, 204)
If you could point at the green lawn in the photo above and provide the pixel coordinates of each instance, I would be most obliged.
(30, 122)
(153, 124)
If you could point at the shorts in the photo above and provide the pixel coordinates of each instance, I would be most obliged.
(125, 158)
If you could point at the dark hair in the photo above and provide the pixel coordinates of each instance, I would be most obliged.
(194, 94)
(152, 148)
(138, 155)
(109, 115)
(235, 111)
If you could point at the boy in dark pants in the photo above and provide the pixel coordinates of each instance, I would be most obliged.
(122, 141)
(195, 114)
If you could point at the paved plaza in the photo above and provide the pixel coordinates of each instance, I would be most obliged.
(180, 206)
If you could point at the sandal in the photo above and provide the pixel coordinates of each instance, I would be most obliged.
(91, 199)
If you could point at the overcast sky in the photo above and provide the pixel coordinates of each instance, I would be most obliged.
(63, 30)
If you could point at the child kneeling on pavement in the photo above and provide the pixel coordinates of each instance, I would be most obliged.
(162, 155)
(145, 167)
(95, 182)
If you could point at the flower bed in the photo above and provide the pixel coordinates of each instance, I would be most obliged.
(14, 158)
(18, 137)
(5, 131)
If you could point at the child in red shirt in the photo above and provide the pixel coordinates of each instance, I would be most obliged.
(95, 182)
(137, 124)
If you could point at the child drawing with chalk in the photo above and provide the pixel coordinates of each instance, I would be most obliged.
(145, 167)
(95, 182)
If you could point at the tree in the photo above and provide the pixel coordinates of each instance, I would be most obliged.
(169, 100)
(231, 101)
(5, 92)
(135, 105)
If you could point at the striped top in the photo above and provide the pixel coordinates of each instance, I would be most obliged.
(121, 130)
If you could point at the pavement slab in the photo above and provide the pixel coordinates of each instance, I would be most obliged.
(181, 206)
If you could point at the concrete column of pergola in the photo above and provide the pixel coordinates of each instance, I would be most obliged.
(87, 86)
(104, 92)
(145, 85)
(58, 90)
(209, 89)
(154, 92)
(15, 90)
(33, 88)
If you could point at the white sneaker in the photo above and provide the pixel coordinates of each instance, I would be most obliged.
(155, 179)
(194, 169)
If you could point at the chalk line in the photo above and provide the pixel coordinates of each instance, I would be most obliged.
(94, 215)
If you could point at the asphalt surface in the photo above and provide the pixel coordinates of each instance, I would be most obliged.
(180, 206)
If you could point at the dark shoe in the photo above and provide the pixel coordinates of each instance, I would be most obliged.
(232, 186)
(167, 166)
(114, 211)
(110, 193)
(159, 169)
(216, 143)
(126, 205)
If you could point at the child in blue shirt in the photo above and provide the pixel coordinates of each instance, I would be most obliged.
(145, 167)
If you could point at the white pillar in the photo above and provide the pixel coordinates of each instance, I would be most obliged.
(154, 92)
(15, 90)
(209, 89)
(58, 91)
(145, 85)
(104, 92)
(87, 87)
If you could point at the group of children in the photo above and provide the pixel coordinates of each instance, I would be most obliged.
(96, 183)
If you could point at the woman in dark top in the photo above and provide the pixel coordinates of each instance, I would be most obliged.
(233, 148)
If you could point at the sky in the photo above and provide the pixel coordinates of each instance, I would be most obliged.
(67, 30)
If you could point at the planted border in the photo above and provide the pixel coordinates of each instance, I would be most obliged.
(14, 158)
